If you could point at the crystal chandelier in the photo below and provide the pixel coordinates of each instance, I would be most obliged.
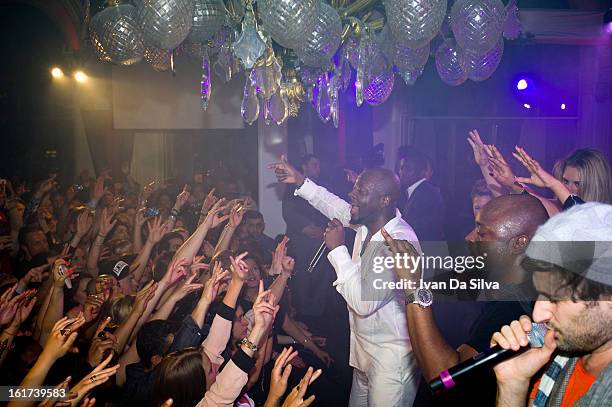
(293, 51)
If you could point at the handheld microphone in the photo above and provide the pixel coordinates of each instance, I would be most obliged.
(316, 258)
(487, 359)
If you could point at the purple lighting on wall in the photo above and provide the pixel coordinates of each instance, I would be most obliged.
(521, 84)
(608, 28)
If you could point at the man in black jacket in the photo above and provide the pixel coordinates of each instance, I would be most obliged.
(421, 205)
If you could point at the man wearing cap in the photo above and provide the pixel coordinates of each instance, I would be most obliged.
(120, 270)
(570, 258)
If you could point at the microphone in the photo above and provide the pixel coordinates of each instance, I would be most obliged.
(316, 258)
(487, 359)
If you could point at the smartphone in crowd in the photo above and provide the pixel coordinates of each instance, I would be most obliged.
(151, 211)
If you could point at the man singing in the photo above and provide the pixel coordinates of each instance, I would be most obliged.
(385, 370)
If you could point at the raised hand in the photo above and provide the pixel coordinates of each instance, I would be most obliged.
(235, 216)
(144, 296)
(176, 270)
(96, 377)
(500, 170)
(280, 375)
(215, 215)
(62, 337)
(209, 201)
(47, 185)
(281, 263)
(186, 287)
(101, 343)
(211, 287)
(8, 305)
(35, 275)
(240, 269)
(106, 223)
(24, 309)
(481, 154)
(264, 310)
(296, 396)
(539, 177)
(157, 230)
(286, 173)
(61, 272)
(248, 203)
(402, 247)
(182, 198)
(92, 307)
(98, 190)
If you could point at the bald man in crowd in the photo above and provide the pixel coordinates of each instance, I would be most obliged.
(504, 228)
(385, 372)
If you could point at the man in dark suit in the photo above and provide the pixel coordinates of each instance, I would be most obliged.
(421, 205)
(305, 227)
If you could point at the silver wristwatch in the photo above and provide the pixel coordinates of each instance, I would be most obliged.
(421, 296)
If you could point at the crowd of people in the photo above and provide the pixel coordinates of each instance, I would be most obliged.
(115, 293)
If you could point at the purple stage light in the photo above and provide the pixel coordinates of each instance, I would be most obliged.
(521, 84)
(562, 106)
(526, 105)
(608, 28)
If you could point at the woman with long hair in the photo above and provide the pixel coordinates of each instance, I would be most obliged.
(583, 176)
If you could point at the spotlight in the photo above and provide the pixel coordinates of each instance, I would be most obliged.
(80, 76)
(607, 22)
(526, 105)
(57, 72)
(521, 84)
(562, 106)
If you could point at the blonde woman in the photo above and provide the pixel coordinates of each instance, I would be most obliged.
(583, 176)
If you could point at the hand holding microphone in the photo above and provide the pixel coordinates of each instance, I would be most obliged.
(510, 342)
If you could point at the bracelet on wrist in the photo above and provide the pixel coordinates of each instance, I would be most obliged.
(250, 345)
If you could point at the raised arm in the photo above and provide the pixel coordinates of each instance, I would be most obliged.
(234, 376)
(62, 337)
(55, 307)
(157, 230)
(106, 225)
(221, 328)
(539, 177)
(320, 198)
(190, 248)
(432, 351)
(124, 331)
(282, 265)
(481, 156)
(235, 218)
(181, 200)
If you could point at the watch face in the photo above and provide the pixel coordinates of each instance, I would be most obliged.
(424, 297)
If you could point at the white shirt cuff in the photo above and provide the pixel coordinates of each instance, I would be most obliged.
(341, 260)
(307, 190)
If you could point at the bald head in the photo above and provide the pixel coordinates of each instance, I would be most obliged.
(512, 215)
(384, 182)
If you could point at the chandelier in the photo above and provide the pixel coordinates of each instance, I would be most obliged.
(296, 51)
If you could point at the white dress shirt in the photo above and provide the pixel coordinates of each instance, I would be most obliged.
(414, 186)
(379, 332)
